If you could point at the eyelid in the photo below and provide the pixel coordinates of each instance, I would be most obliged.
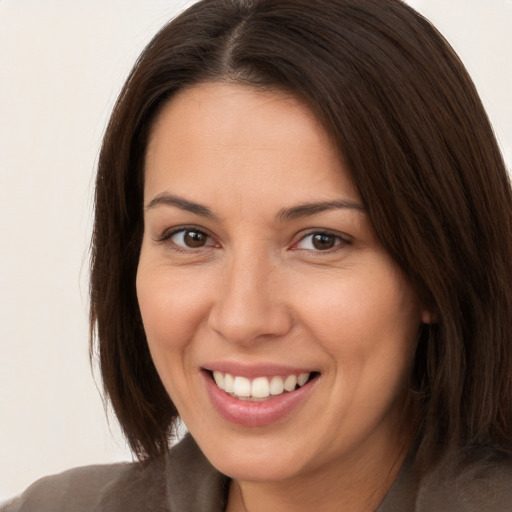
(170, 232)
(343, 238)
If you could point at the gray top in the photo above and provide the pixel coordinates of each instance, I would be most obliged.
(184, 481)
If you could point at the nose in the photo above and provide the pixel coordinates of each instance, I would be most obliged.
(250, 305)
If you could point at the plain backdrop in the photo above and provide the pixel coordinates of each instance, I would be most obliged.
(62, 63)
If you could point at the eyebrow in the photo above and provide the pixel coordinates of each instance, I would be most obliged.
(307, 209)
(183, 204)
(285, 214)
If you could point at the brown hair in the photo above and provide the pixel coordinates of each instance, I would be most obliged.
(405, 115)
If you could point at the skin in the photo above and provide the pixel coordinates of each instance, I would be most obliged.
(256, 290)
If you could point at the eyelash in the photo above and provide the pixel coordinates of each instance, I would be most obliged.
(168, 235)
(340, 241)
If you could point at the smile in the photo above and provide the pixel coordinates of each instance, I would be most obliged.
(257, 396)
(259, 388)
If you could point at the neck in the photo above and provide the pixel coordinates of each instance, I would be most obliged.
(358, 485)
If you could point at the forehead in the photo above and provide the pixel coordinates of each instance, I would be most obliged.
(224, 135)
(216, 111)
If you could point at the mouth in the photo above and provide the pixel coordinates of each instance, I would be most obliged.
(261, 388)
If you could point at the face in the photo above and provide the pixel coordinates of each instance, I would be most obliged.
(280, 328)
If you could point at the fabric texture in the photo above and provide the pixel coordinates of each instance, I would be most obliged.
(184, 481)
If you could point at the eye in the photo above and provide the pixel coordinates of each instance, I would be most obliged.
(320, 242)
(190, 239)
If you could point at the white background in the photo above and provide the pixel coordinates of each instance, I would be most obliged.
(62, 63)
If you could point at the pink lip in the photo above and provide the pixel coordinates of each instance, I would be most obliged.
(256, 414)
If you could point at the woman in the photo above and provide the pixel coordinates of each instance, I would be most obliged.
(302, 249)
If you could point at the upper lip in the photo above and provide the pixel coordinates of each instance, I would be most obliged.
(252, 371)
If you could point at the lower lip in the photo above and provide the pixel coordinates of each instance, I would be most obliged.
(256, 414)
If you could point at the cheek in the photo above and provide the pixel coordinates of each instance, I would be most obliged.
(173, 309)
(172, 306)
(369, 327)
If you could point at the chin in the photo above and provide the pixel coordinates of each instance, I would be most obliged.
(255, 460)
(248, 470)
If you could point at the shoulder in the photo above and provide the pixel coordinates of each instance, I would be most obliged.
(77, 489)
(181, 481)
(475, 482)
(479, 481)
(115, 487)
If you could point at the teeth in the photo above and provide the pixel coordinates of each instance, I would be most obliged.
(290, 383)
(276, 386)
(242, 387)
(259, 388)
(228, 383)
(219, 379)
(302, 379)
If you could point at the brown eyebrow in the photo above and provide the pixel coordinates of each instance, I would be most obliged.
(184, 204)
(307, 209)
(290, 213)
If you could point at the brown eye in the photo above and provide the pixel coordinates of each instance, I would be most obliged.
(323, 241)
(194, 238)
(190, 238)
